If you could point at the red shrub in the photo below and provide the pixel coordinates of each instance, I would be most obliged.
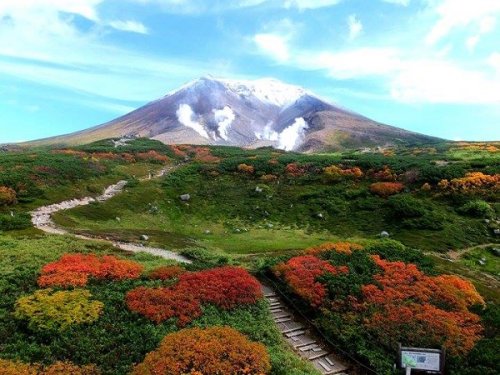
(161, 304)
(301, 275)
(226, 287)
(63, 279)
(74, 269)
(166, 272)
(152, 156)
(386, 189)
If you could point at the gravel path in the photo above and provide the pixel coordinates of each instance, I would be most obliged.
(42, 219)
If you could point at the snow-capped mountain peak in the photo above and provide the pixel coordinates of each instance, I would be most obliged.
(267, 90)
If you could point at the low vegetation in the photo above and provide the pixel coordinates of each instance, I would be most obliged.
(312, 223)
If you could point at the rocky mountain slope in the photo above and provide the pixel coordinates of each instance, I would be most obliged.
(264, 112)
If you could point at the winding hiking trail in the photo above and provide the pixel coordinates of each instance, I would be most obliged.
(42, 219)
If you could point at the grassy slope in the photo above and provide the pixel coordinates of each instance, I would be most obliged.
(240, 220)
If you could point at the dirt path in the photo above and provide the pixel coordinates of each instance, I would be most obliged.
(456, 254)
(42, 219)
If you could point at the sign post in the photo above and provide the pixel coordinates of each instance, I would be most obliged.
(421, 359)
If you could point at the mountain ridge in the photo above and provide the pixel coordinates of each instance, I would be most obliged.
(245, 113)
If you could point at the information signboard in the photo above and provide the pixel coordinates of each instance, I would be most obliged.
(431, 360)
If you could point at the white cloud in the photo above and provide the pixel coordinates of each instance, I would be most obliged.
(185, 117)
(273, 45)
(494, 61)
(224, 119)
(434, 81)
(352, 63)
(310, 4)
(214, 6)
(471, 42)
(398, 2)
(454, 14)
(131, 26)
(355, 26)
(40, 42)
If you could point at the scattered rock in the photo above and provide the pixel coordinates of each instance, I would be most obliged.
(266, 213)
(237, 230)
(495, 251)
(185, 197)
(481, 262)
(320, 215)
(258, 189)
(487, 221)
(496, 231)
(384, 234)
(144, 237)
(269, 225)
(207, 231)
(118, 219)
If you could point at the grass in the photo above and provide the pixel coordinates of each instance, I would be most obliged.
(227, 213)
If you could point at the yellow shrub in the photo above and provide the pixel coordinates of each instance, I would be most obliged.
(48, 310)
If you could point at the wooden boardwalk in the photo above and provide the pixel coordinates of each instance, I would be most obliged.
(302, 338)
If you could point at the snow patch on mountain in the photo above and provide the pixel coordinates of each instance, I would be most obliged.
(224, 119)
(291, 135)
(185, 117)
(267, 90)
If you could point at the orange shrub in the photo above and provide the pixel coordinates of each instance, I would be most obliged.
(386, 189)
(269, 178)
(471, 182)
(74, 270)
(214, 350)
(244, 168)
(152, 156)
(385, 174)
(426, 187)
(412, 307)
(7, 196)
(333, 172)
(301, 274)
(339, 247)
(204, 155)
(178, 151)
(294, 170)
(59, 368)
(166, 272)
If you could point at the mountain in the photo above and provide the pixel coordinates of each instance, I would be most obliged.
(264, 112)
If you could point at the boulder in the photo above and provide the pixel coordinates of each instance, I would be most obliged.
(497, 231)
(258, 189)
(144, 237)
(495, 251)
(384, 234)
(185, 197)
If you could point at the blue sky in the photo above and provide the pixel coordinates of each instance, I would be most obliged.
(431, 66)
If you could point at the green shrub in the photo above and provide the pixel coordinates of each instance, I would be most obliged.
(405, 206)
(16, 221)
(477, 208)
